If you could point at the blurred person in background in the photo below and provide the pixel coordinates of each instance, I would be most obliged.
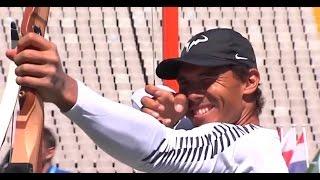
(49, 145)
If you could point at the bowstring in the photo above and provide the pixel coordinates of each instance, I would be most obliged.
(13, 124)
(153, 52)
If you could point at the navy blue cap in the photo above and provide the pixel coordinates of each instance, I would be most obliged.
(212, 48)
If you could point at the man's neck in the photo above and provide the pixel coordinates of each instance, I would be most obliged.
(248, 116)
(46, 167)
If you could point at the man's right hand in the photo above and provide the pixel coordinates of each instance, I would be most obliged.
(39, 67)
(165, 106)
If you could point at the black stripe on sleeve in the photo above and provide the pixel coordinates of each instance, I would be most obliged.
(203, 144)
(221, 142)
(241, 130)
(200, 153)
(161, 155)
(191, 140)
(172, 151)
(208, 138)
(202, 147)
(209, 141)
(157, 157)
(226, 134)
(175, 145)
(206, 152)
(188, 155)
(190, 150)
(181, 142)
(235, 130)
(232, 135)
(197, 141)
(220, 138)
(165, 155)
(186, 141)
(245, 129)
(177, 155)
(153, 152)
(215, 147)
(184, 152)
(253, 126)
(194, 154)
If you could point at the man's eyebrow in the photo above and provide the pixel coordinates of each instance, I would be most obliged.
(180, 78)
(210, 73)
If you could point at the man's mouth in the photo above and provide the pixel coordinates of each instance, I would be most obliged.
(203, 109)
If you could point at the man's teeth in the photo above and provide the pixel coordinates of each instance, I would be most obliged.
(202, 111)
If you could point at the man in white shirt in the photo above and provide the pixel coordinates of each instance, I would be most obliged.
(218, 81)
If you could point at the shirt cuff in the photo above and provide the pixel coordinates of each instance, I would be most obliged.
(84, 98)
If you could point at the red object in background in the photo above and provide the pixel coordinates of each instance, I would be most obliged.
(170, 31)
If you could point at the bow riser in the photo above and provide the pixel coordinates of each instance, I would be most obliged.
(28, 133)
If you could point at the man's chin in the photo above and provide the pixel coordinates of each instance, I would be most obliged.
(198, 121)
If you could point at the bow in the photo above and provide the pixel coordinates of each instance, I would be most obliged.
(30, 120)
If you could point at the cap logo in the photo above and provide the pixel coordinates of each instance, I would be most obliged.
(195, 42)
(239, 57)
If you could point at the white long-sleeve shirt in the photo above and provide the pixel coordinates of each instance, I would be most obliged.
(140, 141)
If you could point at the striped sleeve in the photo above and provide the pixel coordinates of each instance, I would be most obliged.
(192, 149)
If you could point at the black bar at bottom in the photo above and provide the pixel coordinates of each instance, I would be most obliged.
(18, 168)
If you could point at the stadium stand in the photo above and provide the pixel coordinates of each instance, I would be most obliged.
(114, 50)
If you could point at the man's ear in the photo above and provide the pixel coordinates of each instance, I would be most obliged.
(50, 153)
(252, 82)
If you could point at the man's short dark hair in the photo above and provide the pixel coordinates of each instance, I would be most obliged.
(48, 138)
(242, 72)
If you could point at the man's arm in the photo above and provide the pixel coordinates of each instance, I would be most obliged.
(129, 135)
(140, 141)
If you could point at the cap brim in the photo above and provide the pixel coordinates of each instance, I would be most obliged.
(169, 68)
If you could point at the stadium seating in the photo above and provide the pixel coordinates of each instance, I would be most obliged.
(114, 50)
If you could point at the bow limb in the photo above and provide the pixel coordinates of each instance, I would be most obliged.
(27, 142)
(10, 94)
(9, 97)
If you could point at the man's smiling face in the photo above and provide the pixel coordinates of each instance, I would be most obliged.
(214, 93)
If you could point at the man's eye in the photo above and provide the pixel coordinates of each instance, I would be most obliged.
(182, 82)
(211, 78)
